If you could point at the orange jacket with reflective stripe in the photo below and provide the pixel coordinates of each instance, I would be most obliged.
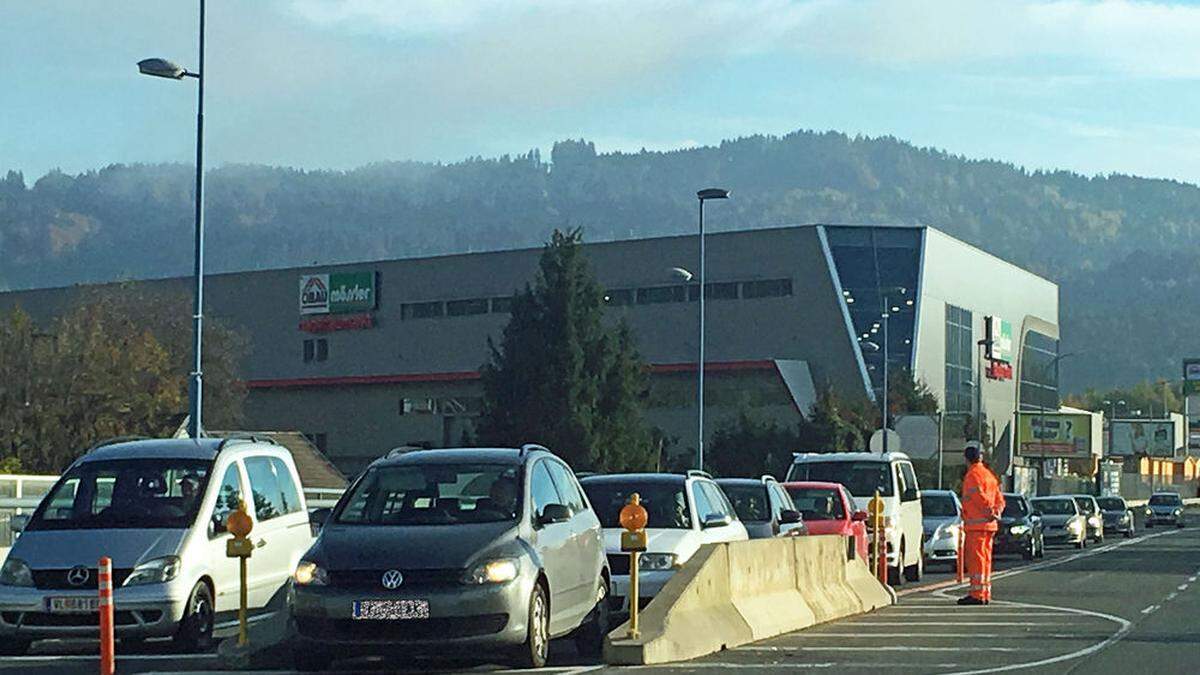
(982, 501)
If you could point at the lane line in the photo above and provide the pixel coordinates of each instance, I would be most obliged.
(997, 636)
(1172, 596)
(1181, 587)
(981, 612)
(904, 667)
(953, 623)
(1150, 610)
(886, 648)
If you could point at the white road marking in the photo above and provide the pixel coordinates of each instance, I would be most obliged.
(1182, 587)
(1194, 577)
(885, 648)
(45, 658)
(1150, 610)
(905, 667)
(981, 611)
(249, 620)
(952, 623)
(1172, 596)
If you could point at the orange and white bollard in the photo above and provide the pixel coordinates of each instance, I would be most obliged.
(107, 657)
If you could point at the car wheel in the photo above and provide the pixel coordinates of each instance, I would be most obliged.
(1031, 552)
(590, 639)
(308, 660)
(1179, 523)
(196, 629)
(1041, 553)
(1082, 543)
(896, 574)
(11, 647)
(534, 651)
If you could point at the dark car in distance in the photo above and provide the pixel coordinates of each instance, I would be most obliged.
(1021, 529)
(1118, 517)
(763, 506)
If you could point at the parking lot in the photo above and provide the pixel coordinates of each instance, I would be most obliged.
(1074, 609)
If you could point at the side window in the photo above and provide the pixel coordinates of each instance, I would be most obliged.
(779, 500)
(268, 500)
(541, 489)
(229, 496)
(910, 478)
(289, 495)
(566, 486)
(704, 508)
(720, 503)
(899, 478)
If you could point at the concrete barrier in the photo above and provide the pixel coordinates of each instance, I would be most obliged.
(732, 594)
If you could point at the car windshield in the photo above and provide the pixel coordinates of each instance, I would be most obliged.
(749, 501)
(818, 503)
(1055, 507)
(125, 494)
(1164, 500)
(938, 506)
(861, 478)
(434, 494)
(1085, 505)
(1014, 508)
(1111, 503)
(665, 503)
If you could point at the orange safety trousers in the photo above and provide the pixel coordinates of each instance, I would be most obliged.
(978, 551)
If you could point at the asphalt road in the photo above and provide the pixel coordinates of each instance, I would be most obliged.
(1129, 605)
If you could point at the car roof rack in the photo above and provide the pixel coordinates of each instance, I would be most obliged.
(117, 439)
(697, 473)
(526, 448)
(238, 437)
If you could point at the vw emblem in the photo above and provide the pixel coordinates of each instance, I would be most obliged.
(392, 579)
(78, 575)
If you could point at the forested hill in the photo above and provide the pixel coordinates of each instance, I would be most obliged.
(1122, 247)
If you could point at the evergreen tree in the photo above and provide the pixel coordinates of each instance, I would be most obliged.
(560, 377)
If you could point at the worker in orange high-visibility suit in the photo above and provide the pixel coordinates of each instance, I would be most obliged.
(982, 504)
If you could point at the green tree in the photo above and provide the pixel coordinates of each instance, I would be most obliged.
(835, 424)
(747, 445)
(562, 378)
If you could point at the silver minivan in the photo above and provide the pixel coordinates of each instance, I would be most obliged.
(157, 508)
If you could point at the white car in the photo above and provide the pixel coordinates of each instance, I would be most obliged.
(157, 509)
(892, 476)
(942, 513)
(685, 512)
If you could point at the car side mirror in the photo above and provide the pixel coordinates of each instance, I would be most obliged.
(317, 519)
(717, 520)
(788, 516)
(554, 513)
(910, 495)
(859, 516)
(18, 523)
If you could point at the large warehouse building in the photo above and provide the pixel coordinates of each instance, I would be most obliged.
(368, 356)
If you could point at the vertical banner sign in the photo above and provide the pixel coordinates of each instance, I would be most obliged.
(1000, 339)
(1191, 400)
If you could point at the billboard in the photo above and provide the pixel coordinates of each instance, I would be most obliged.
(1066, 435)
(1131, 438)
(337, 293)
(1000, 339)
(1191, 401)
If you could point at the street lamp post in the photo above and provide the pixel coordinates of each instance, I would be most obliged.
(703, 195)
(886, 314)
(162, 68)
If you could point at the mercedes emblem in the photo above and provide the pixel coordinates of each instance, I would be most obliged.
(78, 575)
(392, 579)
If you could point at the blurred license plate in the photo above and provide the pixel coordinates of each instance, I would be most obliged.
(391, 610)
(76, 605)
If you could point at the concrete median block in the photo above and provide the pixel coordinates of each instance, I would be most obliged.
(728, 595)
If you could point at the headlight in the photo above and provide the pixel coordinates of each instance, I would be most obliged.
(1075, 526)
(1149, 512)
(656, 562)
(16, 573)
(1019, 529)
(1179, 512)
(947, 532)
(157, 571)
(1125, 517)
(494, 571)
(309, 574)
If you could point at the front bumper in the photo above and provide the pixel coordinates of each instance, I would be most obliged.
(486, 616)
(1163, 517)
(1116, 525)
(649, 584)
(152, 610)
(941, 549)
(1007, 542)
(1061, 535)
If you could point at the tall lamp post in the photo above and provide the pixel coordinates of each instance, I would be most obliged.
(162, 68)
(703, 196)
(888, 309)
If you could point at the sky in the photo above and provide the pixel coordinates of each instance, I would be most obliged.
(1092, 86)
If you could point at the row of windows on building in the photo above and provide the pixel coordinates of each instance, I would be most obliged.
(1038, 387)
(316, 349)
(650, 295)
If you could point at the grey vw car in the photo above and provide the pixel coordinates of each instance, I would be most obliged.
(466, 551)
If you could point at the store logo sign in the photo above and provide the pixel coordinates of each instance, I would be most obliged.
(337, 293)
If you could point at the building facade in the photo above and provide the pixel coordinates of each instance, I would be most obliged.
(368, 356)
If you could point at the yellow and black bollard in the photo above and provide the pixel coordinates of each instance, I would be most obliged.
(239, 525)
(633, 541)
(875, 511)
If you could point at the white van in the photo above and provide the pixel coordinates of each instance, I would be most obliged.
(157, 509)
(892, 475)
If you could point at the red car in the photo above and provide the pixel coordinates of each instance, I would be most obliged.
(828, 509)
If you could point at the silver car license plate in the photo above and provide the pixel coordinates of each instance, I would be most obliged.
(391, 610)
(73, 605)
